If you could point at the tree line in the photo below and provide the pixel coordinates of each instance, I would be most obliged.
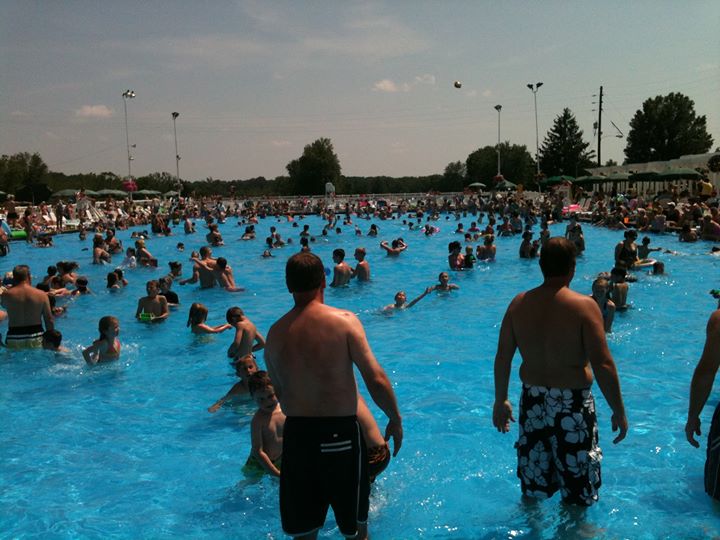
(665, 128)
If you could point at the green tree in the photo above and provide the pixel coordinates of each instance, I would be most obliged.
(516, 164)
(25, 175)
(564, 151)
(318, 164)
(454, 176)
(666, 128)
(611, 163)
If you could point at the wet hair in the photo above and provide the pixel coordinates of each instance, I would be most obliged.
(198, 314)
(105, 323)
(339, 252)
(205, 251)
(82, 281)
(45, 287)
(602, 282)
(51, 270)
(631, 232)
(557, 257)
(646, 240)
(221, 263)
(112, 279)
(119, 273)
(234, 313)
(174, 264)
(260, 380)
(304, 272)
(452, 246)
(21, 273)
(53, 337)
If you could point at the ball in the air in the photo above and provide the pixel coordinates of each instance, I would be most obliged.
(457, 84)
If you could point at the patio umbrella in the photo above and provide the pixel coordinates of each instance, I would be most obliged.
(647, 176)
(65, 193)
(111, 193)
(505, 185)
(555, 180)
(592, 179)
(147, 192)
(91, 193)
(619, 177)
(171, 194)
(679, 174)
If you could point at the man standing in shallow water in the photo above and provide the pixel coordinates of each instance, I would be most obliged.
(310, 354)
(561, 338)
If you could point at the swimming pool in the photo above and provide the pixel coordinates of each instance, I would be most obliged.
(128, 449)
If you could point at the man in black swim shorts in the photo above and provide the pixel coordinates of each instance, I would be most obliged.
(561, 337)
(700, 388)
(311, 353)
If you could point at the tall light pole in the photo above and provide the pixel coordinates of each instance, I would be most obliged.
(534, 88)
(177, 156)
(498, 108)
(128, 94)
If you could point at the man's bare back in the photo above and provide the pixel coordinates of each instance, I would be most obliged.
(27, 306)
(342, 274)
(538, 317)
(246, 336)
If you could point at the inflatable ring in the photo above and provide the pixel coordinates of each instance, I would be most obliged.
(643, 263)
(18, 235)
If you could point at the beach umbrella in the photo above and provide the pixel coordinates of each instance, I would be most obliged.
(111, 193)
(556, 180)
(505, 185)
(65, 193)
(91, 193)
(679, 174)
(592, 179)
(171, 194)
(147, 192)
(646, 176)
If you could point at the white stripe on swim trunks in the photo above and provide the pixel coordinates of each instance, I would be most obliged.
(340, 449)
(325, 445)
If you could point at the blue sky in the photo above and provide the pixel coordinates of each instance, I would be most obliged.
(256, 81)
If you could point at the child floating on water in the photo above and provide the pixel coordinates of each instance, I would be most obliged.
(107, 346)
(266, 429)
(244, 368)
(196, 321)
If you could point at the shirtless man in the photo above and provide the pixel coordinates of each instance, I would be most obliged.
(342, 272)
(362, 270)
(700, 387)
(311, 352)
(247, 338)
(203, 273)
(27, 308)
(561, 337)
(154, 306)
(222, 273)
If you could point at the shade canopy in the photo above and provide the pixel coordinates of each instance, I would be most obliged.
(555, 180)
(505, 185)
(147, 192)
(111, 193)
(476, 185)
(592, 179)
(618, 177)
(66, 193)
(680, 174)
(171, 194)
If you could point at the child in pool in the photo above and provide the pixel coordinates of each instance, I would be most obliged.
(266, 428)
(51, 341)
(82, 287)
(196, 321)
(244, 368)
(107, 346)
(601, 295)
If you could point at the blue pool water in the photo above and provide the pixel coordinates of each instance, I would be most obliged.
(128, 450)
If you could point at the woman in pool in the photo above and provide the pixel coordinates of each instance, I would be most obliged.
(626, 252)
(107, 346)
(456, 260)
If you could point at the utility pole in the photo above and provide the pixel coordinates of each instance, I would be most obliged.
(599, 130)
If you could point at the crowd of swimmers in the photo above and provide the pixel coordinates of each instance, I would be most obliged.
(31, 310)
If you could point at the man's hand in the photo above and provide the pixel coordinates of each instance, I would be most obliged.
(394, 429)
(620, 423)
(502, 416)
(693, 428)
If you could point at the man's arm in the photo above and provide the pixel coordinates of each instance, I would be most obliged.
(194, 278)
(502, 410)
(603, 366)
(376, 380)
(47, 315)
(703, 377)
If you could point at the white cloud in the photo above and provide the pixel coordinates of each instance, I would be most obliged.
(425, 79)
(390, 86)
(94, 111)
(386, 85)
